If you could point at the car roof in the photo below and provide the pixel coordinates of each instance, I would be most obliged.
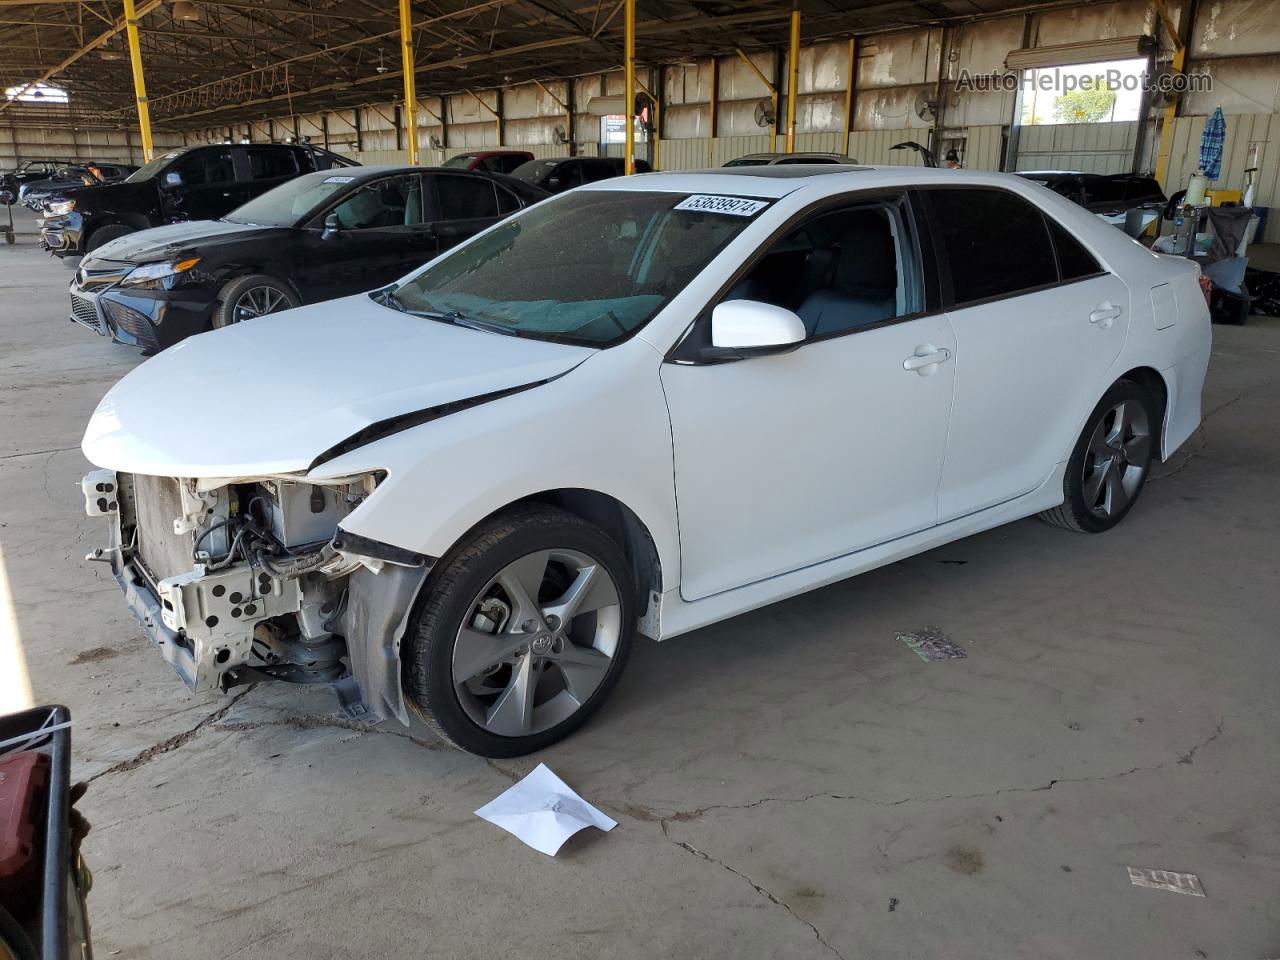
(780, 181)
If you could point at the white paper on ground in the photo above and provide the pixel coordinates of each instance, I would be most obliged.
(1187, 883)
(543, 811)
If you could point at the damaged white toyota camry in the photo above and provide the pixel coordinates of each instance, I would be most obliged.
(639, 407)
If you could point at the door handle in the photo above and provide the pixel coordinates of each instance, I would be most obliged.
(1104, 314)
(920, 362)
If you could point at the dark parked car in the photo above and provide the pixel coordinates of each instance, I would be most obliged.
(12, 180)
(321, 235)
(490, 161)
(194, 183)
(564, 173)
(1103, 194)
(35, 193)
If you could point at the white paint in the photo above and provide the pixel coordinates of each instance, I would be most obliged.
(790, 471)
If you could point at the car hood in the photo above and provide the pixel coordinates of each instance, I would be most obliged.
(158, 243)
(270, 396)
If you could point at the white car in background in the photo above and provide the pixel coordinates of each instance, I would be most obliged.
(639, 407)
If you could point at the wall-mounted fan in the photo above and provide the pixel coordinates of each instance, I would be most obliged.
(436, 143)
(766, 115)
(559, 135)
(926, 107)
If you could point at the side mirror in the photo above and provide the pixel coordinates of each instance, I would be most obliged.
(6, 197)
(172, 179)
(749, 328)
(332, 227)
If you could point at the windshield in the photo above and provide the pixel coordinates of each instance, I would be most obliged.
(461, 160)
(590, 267)
(288, 203)
(148, 170)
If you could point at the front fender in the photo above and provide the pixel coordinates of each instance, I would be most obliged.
(602, 427)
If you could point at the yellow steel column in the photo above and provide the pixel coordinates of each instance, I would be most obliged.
(630, 102)
(793, 76)
(410, 88)
(139, 82)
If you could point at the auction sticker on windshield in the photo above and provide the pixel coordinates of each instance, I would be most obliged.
(735, 206)
(338, 179)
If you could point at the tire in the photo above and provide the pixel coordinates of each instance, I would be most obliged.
(475, 650)
(1111, 461)
(104, 235)
(256, 295)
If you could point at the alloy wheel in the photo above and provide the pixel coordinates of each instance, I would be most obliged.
(1117, 459)
(537, 642)
(257, 302)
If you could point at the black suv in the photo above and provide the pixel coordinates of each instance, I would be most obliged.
(194, 183)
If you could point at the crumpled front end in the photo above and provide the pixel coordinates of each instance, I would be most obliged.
(243, 581)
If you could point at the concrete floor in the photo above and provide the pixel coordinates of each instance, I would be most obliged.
(793, 783)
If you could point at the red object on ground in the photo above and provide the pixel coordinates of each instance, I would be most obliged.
(24, 798)
(1206, 287)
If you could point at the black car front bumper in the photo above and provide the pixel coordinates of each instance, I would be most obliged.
(150, 319)
(62, 236)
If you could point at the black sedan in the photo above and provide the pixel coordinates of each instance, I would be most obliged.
(558, 174)
(319, 236)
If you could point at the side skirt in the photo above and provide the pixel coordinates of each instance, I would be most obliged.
(681, 616)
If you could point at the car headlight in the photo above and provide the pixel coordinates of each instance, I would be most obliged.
(151, 272)
(61, 208)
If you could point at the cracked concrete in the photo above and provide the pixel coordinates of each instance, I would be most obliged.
(793, 783)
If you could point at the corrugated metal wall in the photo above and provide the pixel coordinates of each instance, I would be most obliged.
(1089, 147)
(123, 146)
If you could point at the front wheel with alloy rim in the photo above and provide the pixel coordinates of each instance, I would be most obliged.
(1111, 460)
(246, 298)
(521, 632)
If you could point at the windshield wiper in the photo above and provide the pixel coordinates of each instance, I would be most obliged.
(461, 320)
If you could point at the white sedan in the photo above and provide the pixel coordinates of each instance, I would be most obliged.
(639, 407)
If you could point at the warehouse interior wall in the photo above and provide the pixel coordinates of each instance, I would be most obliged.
(903, 89)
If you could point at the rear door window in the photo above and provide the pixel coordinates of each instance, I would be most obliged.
(204, 167)
(996, 243)
(465, 198)
(267, 163)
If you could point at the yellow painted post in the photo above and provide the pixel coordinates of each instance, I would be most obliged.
(410, 93)
(793, 76)
(629, 104)
(1179, 62)
(139, 82)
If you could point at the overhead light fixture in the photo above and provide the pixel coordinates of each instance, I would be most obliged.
(110, 54)
(381, 67)
(185, 10)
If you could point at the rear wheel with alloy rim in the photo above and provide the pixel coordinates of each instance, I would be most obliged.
(1110, 463)
(247, 298)
(521, 633)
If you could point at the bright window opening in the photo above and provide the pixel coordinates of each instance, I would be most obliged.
(1103, 92)
(36, 93)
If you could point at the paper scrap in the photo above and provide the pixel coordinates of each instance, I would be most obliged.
(930, 644)
(543, 811)
(1187, 883)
